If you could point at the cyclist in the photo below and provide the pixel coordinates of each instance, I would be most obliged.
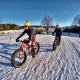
(58, 32)
(31, 33)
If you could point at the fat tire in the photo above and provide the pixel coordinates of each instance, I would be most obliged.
(54, 46)
(13, 58)
(37, 47)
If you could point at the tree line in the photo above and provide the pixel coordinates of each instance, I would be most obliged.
(9, 27)
(75, 26)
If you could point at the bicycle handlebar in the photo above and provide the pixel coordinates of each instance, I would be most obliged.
(20, 41)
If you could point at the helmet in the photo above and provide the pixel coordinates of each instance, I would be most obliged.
(27, 24)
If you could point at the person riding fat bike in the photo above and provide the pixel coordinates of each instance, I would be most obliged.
(58, 32)
(30, 32)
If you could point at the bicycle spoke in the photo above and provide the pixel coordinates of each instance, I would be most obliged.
(19, 57)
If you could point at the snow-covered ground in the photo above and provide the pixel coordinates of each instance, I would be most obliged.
(62, 64)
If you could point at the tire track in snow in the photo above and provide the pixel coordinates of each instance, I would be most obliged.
(76, 47)
(67, 61)
(73, 59)
(62, 64)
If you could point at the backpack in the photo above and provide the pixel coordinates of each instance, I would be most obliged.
(33, 33)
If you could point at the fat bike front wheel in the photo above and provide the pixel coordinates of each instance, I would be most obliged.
(18, 58)
(54, 46)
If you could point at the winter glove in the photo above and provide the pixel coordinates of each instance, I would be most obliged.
(17, 40)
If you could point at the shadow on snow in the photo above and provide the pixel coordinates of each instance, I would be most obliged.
(46, 48)
(6, 51)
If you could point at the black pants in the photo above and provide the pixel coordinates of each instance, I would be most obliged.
(59, 39)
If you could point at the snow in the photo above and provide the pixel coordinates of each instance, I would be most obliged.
(62, 64)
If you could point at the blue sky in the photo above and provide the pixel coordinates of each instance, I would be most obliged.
(18, 11)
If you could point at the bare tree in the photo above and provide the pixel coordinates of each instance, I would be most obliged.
(76, 20)
(76, 24)
(46, 22)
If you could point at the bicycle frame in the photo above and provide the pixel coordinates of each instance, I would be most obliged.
(24, 45)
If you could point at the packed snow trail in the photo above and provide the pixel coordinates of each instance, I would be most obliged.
(62, 64)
